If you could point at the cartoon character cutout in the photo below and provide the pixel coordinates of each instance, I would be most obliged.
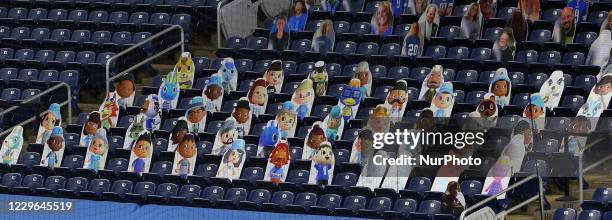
(278, 163)
(536, 111)
(322, 166)
(151, 109)
(49, 120)
(196, 115)
(232, 161)
(11, 146)
(575, 143)
(95, 159)
(109, 111)
(229, 73)
(53, 152)
(90, 128)
(303, 98)
(350, 98)
(134, 131)
(316, 136)
(268, 138)
(185, 157)
(487, 110)
(501, 87)
(396, 100)
(319, 79)
(379, 119)
(362, 147)
(126, 91)
(178, 133)
(213, 93)
(226, 136)
(258, 97)
(140, 158)
(169, 91)
(364, 75)
(432, 83)
(185, 71)
(242, 114)
(334, 124)
(552, 89)
(287, 120)
(442, 103)
(593, 107)
(274, 77)
(498, 177)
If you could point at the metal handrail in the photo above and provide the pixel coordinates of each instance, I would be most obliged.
(521, 182)
(219, 32)
(181, 43)
(68, 101)
(581, 171)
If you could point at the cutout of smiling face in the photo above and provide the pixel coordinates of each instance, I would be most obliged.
(241, 115)
(500, 88)
(186, 148)
(49, 121)
(286, 121)
(55, 143)
(274, 78)
(229, 136)
(532, 111)
(98, 146)
(196, 115)
(487, 107)
(443, 100)
(259, 96)
(142, 149)
(213, 92)
(397, 98)
(435, 80)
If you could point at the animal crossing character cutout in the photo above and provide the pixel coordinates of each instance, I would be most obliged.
(48, 121)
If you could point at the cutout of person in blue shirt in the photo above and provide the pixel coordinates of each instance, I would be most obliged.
(299, 17)
(382, 20)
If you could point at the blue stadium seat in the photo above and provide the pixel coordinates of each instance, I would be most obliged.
(18, 13)
(459, 95)
(341, 155)
(74, 186)
(122, 38)
(341, 27)
(161, 167)
(5, 32)
(159, 19)
(189, 192)
(419, 184)
(257, 43)
(78, 15)
(506, 13)
(101, 37)
(47, 75)
(304, 201)
(460, 10)
(29, 184)
(481, 54)
(520, 99)
(60, 35)
(516, 78)
(10, 180)
(184, 20)
(345, 179)
(377, 207)
(256, 199)
(450, 32)
(361, 28)
(467, 76)
(564, 214)
(540, 36)
(586, 82)
(327, 203)
(573, 58)
(119, 189)
(597, 17)
(599, 200)
(10, 94)
(539, 167)
(64, 57)
(116, 142)
(57, 14)
(233, 197)
(458, 52)
(469, 188)
(139, 18)
(550, 57)
(585, 38)
(252, 174)
(86, 57)
(535, 80)
(398, 72)
(211, 194)
(492, 33)
(164, 191)
(346, 47)
(507, 121)
(279, 200)
(313, 25)
(419, 73)
(401, 29)
(298, 176)
(427, 209)
(589, 215)
(40, 34)
(98, 16)
(551, 15)
(20, 33)
(207, 170)
(6, 54)
(368, 48)
(3, 12)
(118, 17)
(402, 208)
(27, 75)
(574, 102)
(141, 190)
(52, 185)
(547, 146)
(435, 51)
(351, 205)
(96, 188)
(117, 164)
(529, 56)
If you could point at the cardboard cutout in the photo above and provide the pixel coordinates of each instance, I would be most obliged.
(487, 111)
(196, 115)
(213, 93)
(151, 109)
(95, 159)
(11, 146)
(185, 71)
(185, 157)
(278, 163)
(48, 121)
(396, 100)
(177, 134)
(579, 125)
(258, 96)
(324, 38)
(135, 130)
(303, 98)
(504, 46)
(319, 78)
(429, 21)
(126, 91)
(242, 115)
(109, 111)
(268, 138)
(498, 178)
(501, 87)
(364, 75)
(274, 77)
(379, 119)
(142, 151)
(442, 103)
(334, 124)
(362, 147)
(536, 112)
(53, 152)
(229, 74)
(90, 128)
(226, 136)
(287, 120)
(232, 161)
(349, 99)
(440, 183)
(432, 83)
(316, 136)
(552, 89)
(169, 91)
(322, 166)
(603, 88)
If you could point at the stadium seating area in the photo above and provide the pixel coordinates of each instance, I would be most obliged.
(45, 42)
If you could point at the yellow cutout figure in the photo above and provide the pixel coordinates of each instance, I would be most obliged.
(185, 71)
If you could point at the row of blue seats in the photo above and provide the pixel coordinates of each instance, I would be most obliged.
(571, 214)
